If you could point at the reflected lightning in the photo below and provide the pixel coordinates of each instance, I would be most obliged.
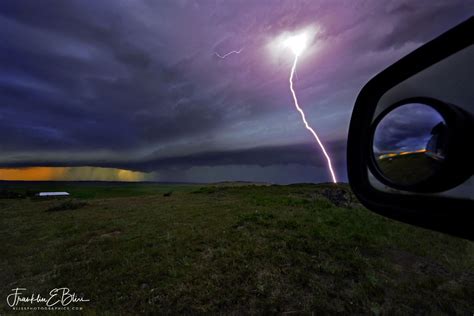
(298, 44)
(229, 53)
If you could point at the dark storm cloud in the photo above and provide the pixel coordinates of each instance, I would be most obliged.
(413, 20)
(407, 128)
(137, 84)
(302, 154)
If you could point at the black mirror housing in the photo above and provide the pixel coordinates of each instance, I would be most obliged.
(441, 72)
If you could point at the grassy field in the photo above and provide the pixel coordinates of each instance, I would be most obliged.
(409, 169)
(138, 248)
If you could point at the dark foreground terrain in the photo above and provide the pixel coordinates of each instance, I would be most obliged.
(409, 168)
(227, 249)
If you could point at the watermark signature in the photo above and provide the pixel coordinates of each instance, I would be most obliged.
(59, 299)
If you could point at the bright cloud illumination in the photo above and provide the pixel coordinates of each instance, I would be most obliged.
(300, 42)
(297, 43)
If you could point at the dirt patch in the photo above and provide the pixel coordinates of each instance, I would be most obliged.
(112, 234)
(407, 263)
(107, 236)
(67, 206)
(340, 197)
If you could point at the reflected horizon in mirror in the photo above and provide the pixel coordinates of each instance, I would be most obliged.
(409, 143)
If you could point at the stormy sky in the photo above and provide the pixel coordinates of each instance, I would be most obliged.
(409, 127)
(136, 85)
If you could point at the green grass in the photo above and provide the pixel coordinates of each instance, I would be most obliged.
(91, 190)
(233, 250)
(409, 169)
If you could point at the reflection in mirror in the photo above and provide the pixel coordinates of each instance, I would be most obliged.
(409, 144)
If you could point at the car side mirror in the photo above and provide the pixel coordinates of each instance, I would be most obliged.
(410, 146)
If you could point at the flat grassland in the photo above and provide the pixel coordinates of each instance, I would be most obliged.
(410, 168)
(233, 249)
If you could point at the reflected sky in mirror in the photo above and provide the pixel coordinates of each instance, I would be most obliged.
(410, 144)
(408, 128)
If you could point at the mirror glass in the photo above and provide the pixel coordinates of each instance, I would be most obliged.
(409, 143)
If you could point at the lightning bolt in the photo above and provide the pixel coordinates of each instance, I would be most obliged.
(309, 128)
(229, 53)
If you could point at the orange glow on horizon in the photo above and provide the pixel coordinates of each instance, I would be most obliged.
(32, 173)
(390, 155)
(70, 174)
